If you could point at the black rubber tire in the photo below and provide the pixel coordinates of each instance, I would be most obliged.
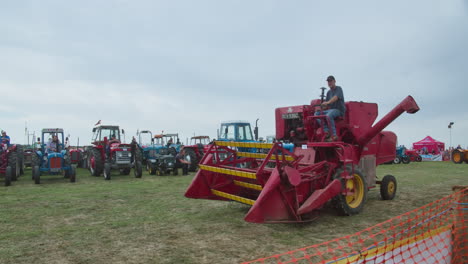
(159, 172)
(35, 161)
(72, 173)
(193, 159)
(8, 172)
(107, 171)
(13, 163)
(341, 202)
(397, 160)
(388, 187)
(175, 172)
(138, 170)
(36, 174)
(457, 156)
(138, 155)
(172, 151)
(152, 168)
(20, 150)
(98, 162)
(125, 171)
(418, 158)
(405, 160)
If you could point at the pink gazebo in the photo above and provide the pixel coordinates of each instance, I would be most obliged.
(430, 145)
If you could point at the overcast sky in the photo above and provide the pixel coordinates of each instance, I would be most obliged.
(185, 66)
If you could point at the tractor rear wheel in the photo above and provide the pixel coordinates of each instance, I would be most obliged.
(95, 162)
(36, 174)
(353, 202)
(107, 171)
(13, 163)
(72, 173)
(191, 156)
(20, 150)
(457, 156)
(396, 160)
(172, 151)
(8, 173)
(138, 170)
(405, 160)
(388, 187)
(418, 158)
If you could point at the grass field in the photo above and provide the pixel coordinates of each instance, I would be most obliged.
(148, 220)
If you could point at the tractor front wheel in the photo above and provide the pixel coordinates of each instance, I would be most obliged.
(95, 162)
(152, 168)
(72, 173)
(138, 170)
(457, 156)
(36, 175)
(107, 171)
(405, 160)
(418, 158)
(388, 187)
(125, 171)
(8, 173)
(355, 188)
(396, 160)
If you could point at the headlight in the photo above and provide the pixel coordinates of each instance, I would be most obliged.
(45, 157)
(130, 154)
(65, 157)
(170, 163)
(119, 154)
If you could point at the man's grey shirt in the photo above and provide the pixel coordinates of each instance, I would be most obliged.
(339, 104)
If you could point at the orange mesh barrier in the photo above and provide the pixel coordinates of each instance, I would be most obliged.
(434, 233)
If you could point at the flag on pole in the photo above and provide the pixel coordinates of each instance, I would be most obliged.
(98, 123)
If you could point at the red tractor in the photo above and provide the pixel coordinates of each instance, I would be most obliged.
(413, 155)
(109, 153)
(290, 186)
(195, 151)
(8, 163)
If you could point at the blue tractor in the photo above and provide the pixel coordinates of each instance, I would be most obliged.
(157, 155)
(401, 156)
(52, 157)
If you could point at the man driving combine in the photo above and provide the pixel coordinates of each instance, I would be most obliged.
(335, 107)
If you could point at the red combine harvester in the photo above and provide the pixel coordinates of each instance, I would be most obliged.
(290, 186)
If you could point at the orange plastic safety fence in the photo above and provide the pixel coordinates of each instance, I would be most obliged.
(434, 233)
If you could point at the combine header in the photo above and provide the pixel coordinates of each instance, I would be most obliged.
(290, 186)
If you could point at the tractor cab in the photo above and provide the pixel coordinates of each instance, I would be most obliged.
(145, 138)
(197, 140)
(235, 131)
(105, 132)
(172, 142)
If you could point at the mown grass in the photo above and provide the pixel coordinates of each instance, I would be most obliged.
(148, 220)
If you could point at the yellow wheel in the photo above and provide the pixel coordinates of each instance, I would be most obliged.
(388, 187)
(356, 192)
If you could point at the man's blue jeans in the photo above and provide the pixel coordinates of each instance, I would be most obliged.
(332, 114)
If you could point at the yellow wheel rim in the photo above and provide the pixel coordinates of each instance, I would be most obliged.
(355, 185)
(391, 188)
(456, 157)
